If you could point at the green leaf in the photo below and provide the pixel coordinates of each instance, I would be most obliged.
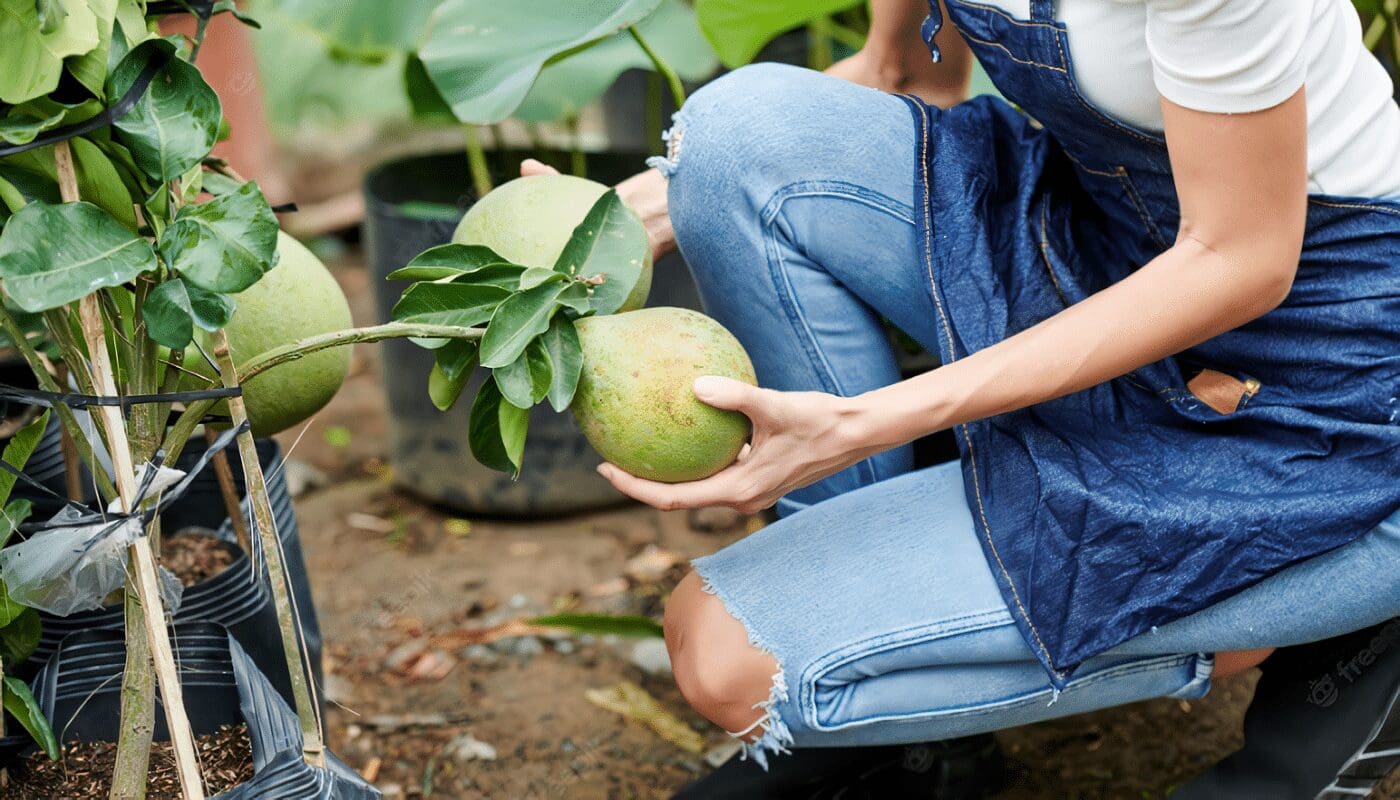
(526, 380)
(90, 69)
(505, 276)
(738, 29)
(629, 625)
(31, 61)
(20, 637)
(536, 276)
(22, 128)
(210, 310)
(443, 389)
(175, 123)
(520, 318)
(424, 100)
(484, 429)
(514, 422)
(566, 86)
(447, 261)
(224, 245)
(10, 608)
(611, 242)
(20, 702)
(448, 303)
(36, 177)
(52, 255)
(561, 345)
(169, 320)
(17, 452)
(15, 513)
(578, 298)
(456, 358)
(364, 30)
(483, 55)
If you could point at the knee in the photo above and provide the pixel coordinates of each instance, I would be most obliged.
(719, 673)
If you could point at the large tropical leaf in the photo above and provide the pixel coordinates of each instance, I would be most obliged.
(738, 29)
(51, 255)
(175, 123)
(364, 30)
(567, 85)
(226, 244)
(31, 58)
(483, 55)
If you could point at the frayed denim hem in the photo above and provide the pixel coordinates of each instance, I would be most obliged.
(1200, 682)
(775, 736)
(673, 138)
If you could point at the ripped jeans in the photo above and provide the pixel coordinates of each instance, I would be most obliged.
(792, 198)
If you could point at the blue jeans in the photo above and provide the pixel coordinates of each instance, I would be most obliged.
(792, 198)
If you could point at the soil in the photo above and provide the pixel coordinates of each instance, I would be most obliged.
(84, 770)
(404, 590)
(195, 557)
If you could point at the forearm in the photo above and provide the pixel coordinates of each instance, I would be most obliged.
(1187, 295)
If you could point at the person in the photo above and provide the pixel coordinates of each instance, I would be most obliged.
(1164, 287)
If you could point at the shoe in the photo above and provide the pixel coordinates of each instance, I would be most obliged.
(960, 769)
(1324, 724)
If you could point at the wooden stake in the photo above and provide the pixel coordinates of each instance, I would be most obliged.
(312, 743)
(229, 489)
(72, 477)
(145, 577)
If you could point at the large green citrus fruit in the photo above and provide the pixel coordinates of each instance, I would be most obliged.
(529, 220)
(635, 401)
(296, 299)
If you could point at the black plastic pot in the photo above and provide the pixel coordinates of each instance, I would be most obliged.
(232, 599)
(79, 690)
(414, 204)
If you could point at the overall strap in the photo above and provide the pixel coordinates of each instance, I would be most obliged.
(1043, 10)
(932, 24)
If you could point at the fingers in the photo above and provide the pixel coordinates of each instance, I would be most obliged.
(729, 394)
(717, 490)
(530, 167)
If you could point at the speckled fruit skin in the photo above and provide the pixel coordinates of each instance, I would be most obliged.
(297, 298)
(635, 401)
(529, 220)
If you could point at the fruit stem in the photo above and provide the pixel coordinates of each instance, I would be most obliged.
(672, 79)
(476, 162)
(374, 333)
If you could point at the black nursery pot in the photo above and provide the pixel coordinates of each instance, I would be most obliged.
(414, 204)
(79, 690)
(232, 598)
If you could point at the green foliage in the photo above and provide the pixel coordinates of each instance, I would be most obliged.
(484, 55)
(738, 29)
(631, 625)
(51, 255)
(362, 30)
(21, 705)
(31, 62)
(17, 452)
(609, 241)
(223, 245)
(175, 123)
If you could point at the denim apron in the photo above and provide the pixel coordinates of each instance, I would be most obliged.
(1159, 493)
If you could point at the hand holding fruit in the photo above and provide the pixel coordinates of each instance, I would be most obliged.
(798, 439)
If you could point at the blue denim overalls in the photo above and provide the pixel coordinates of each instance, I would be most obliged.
(1142, 500)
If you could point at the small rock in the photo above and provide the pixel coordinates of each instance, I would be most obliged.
(587, 640)
(564, 647)
(466, 747)
(391, 791)
(714, 519)
(608, 588)
(301, 477)
(651, 564)
(518, 601)
(338, 690)
(433, 665)
(480, 653)
(403, 656)
(522, 647)
(578, 765)
(650, 656)
(567, 746)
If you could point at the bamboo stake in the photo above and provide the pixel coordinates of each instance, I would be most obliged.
(229, 490)
(312, 744)
(144, 576)
(72, 480)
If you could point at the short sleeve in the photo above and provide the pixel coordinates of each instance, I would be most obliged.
(1228, 56)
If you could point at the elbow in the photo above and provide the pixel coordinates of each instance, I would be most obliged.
(1272, 285)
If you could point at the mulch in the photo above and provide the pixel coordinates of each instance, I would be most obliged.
(196, 557)
(84, 772)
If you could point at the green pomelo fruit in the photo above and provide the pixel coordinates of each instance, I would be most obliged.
(636, 403)
(529, 220)
(296, 299)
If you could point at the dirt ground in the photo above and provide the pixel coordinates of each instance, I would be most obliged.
(423, 708)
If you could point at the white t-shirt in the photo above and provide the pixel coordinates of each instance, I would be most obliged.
(1237, 56)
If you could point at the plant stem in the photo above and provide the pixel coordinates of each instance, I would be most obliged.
(313, 749)
(653, 116)
(65, 414)
(672, 79)
(374, 333)
(138, 706)
(578, 160)
(229, 490)
(819, 55)
(476, 161)
(179, 434)
(143, 567)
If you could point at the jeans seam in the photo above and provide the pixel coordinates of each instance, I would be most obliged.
(787, 296)
(1015, 701)
(1024, 23)
(1359, 206)
(1011, 55)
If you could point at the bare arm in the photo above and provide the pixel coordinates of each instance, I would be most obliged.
(1242, 184)
(896, 59)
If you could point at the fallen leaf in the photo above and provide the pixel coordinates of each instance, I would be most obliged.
(369, 522)
(651, 564)
(462, 637)
(433, 665)
(608, 588)
(633, 703)
(370, 772)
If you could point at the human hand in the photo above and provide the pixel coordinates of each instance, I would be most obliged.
(798, 439)
(645, 193)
